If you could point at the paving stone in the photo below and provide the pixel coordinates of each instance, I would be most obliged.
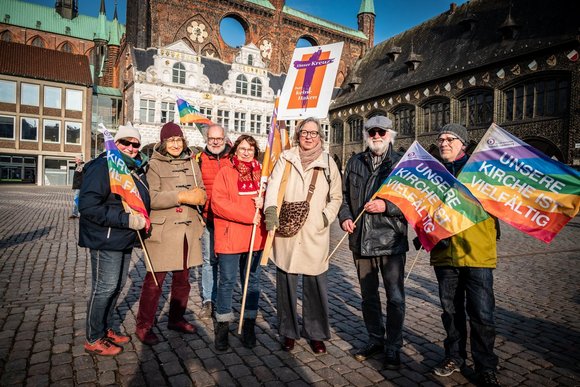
(42, 329)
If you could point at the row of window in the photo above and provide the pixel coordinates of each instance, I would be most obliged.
(527, 100)
(242, 86)
(30, 95)
(51, 130)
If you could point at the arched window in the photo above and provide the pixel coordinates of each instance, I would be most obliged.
(405, 120)
(6, 36)
(436, 114)
(337, 132)
(38, 42)
(375, 113)
(179, 73)
(476, 108)
(241, 85)
(355, 124)
(256, 88)
(543, 97)
(66, 47)
(250, 60)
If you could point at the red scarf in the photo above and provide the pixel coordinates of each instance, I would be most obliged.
(248, 176)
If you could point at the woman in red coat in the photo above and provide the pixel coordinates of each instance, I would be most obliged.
(234, 202)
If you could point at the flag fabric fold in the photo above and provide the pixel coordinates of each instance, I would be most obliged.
(277, 142)
(189, 114)
(523, 187)
(434, 203)
(120, 178)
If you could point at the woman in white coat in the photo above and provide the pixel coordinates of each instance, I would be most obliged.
(304, 253)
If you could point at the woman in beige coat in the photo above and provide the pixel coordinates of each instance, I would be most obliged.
(305, 253)
(176, 188)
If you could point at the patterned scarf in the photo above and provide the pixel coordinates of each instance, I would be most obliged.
(308, 156)
(249, 176)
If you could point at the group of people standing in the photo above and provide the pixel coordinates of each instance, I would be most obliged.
(206, 208)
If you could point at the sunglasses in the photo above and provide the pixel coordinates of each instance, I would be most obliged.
(124, 142)
(374, 131)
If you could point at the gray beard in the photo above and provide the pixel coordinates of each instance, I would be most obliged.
(378, 149)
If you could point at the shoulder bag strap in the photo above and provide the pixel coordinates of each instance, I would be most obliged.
(312, 185)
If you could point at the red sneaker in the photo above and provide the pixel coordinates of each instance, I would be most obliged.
(116, 338)
(103, 347)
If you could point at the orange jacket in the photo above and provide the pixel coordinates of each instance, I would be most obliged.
(210, 164)
(233, 215)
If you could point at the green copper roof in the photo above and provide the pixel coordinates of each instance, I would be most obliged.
(28, 15)
(367, 6)
(263, 3)
(323, 23)
(114, 36)
(101, 90)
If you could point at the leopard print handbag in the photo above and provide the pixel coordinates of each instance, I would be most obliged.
(293, 214)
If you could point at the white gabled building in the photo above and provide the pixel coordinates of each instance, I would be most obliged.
(239, 96)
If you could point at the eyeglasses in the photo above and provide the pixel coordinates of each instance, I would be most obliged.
(246, 150)
(448, 140)
(175, 140)
(306, 133)
(374, 131)
(217, 140)
(126, 143)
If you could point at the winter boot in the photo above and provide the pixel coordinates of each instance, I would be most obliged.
(221, 335)
(248, 333)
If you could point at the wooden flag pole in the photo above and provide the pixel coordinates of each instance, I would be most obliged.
(148, 262)
(343, 238)
(248, 268)
(412, 266)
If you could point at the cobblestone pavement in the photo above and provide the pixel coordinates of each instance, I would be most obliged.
(44, 283)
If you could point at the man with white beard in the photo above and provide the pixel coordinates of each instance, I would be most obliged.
(378, 241)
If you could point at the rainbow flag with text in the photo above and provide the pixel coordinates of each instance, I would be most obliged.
(521, 186)
(120, 178)
(189, 114)
(434, 203)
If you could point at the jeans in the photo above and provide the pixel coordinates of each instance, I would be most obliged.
(392, 269)
(109, 273)
(229, 264)
(468, 289)
(209, 268)
(75, 211)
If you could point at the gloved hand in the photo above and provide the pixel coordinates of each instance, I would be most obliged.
(137, 222)
(195, 196)
(271, 218)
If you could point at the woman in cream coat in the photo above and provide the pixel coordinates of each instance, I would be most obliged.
(306, 252)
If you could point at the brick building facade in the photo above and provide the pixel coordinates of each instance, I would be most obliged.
(513, 63)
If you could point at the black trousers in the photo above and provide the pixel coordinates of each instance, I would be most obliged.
(315, 324)
(392, 269)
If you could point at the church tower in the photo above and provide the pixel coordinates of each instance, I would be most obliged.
(68, 9)
(100, 50)
(366, 20)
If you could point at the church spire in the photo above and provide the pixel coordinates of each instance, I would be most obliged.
(366, 20)
(101, 33)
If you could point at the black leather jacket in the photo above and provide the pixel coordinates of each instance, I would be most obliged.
(375, 234)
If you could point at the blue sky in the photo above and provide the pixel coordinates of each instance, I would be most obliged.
(393, 16)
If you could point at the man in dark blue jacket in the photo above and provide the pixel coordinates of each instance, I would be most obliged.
(378, 241)
(110, 234)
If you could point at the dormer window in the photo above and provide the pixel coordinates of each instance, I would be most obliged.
(38, 24)
(354, 82)
(394, 52)
(6, 18)
(509, 29)
(413, 61)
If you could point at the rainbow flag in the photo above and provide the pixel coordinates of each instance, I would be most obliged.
(277, 142)
(120, 178)
(189, 114)
(521, 186)
(435, 204)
